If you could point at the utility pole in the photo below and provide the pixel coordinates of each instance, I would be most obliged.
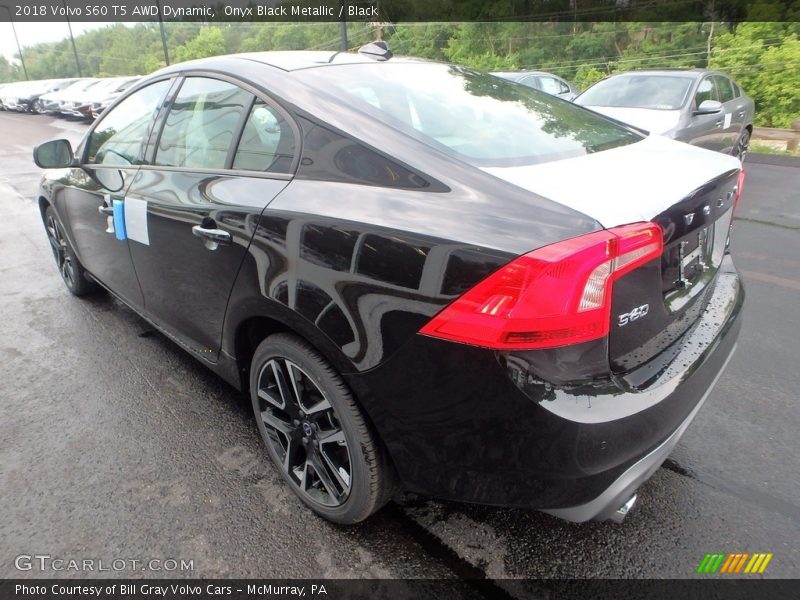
(379, 31)
(72, 38)
(343, 25)
(16, 39)
(163, 35)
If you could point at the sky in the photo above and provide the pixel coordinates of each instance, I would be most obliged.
(30, 34)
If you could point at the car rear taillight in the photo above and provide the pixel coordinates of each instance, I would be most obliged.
(553, 296)
(738, 191)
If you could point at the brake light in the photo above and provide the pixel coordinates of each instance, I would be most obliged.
(739, 188)
(553, 296)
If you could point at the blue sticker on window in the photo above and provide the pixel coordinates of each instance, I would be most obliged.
(119, 219)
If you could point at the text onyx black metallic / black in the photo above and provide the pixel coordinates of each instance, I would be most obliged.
(424, 275)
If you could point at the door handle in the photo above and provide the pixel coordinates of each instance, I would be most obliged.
(105, 210)
(211, 236)
(719, 123)
(741, 114)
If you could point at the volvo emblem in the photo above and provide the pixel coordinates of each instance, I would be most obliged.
(706, 210)
(688, 218)
(307, 430)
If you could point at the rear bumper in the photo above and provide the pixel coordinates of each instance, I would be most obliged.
(469, 424)
(607, 505)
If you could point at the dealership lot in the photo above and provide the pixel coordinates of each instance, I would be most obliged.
(115, 444)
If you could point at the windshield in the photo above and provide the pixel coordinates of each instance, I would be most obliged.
(660, 92)
(474, 116)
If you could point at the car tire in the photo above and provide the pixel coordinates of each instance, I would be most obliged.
(315, 433)
(37, 107)
(740, 149)
(72, 272)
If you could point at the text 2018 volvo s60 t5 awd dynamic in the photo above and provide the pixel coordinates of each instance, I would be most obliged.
(425, 276)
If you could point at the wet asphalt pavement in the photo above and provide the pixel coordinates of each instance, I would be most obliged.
(114, 443)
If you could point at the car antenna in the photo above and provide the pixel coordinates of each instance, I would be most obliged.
(376, 50)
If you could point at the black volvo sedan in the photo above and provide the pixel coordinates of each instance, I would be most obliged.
(426, 277)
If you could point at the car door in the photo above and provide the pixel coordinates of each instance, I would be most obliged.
(732, 113)
(553, 86)
(705, 131)
(220, 157)
(110, 157)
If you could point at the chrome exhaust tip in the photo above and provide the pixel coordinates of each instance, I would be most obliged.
(619, 515)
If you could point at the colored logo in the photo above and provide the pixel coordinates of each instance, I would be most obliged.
(728, 564)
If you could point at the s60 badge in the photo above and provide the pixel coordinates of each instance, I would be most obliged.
(636, 313)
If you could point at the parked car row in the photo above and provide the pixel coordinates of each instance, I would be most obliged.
(22, 95)
(703, 108)
(84, 98)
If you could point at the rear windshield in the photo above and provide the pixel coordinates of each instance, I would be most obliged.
(660, 92)
(474, 116)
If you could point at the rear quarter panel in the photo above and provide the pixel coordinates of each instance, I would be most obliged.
(361, 249)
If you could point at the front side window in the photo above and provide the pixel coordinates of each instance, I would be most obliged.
(267, 142)
(474, 116)
(120, 136)
(553, 86)
(532, 81)
(201, 124)
(705, 91)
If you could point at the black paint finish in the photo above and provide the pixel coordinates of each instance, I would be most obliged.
(355, 251)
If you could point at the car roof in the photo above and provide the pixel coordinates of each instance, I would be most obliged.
(520, 73)
(294, 60)
(695, 73)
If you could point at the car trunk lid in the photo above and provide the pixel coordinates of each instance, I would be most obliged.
(689, 193)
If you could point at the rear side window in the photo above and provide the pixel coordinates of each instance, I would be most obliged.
(267, 142)
(201, 124)
(120, 137)
(725, 88)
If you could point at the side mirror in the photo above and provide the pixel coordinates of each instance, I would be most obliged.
(111, 179)
(55, 154)
(708, 107)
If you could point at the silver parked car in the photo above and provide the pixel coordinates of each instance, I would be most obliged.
(545, 82)
(704, 108)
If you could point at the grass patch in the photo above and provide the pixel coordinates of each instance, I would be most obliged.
(756, 148)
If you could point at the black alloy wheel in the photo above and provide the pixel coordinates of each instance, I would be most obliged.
(315, 432)
(740, 149)
(69, 267)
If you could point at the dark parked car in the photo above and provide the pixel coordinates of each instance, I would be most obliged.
(54, 102)
(423, 277)
(545, 82)
(704, 108)
(32, 103)
(81, 104)
(103, 101)
(23, 96)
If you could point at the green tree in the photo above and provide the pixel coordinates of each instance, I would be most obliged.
(209, 41)
(765, 59)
